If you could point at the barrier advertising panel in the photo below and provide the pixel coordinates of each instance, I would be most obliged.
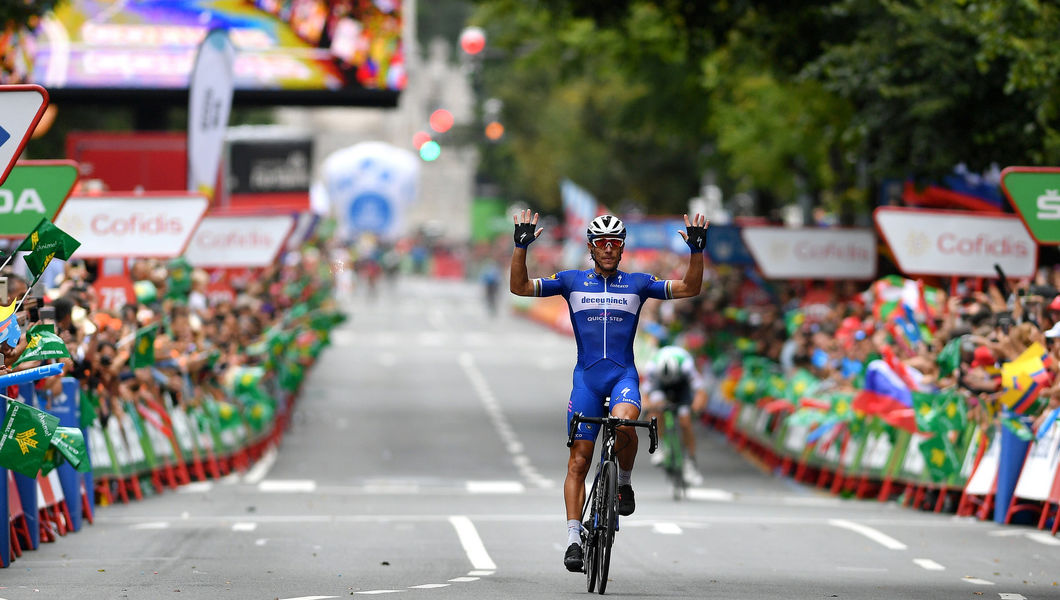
(134, 225)
(783, 253)
(238, 241)
(952, 242)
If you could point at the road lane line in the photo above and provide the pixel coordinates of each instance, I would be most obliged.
(977, 581)
(1005, 596)
(500, 423)
(1044, 538)
(472, 543)
(244, 526)
(310, 598)
(667, 528)
(463, 579)
(287, 485)
(482, 573)
(709, 494)
(495, 487)
(428, 586)
(152, 525)
(927, 563)
(374, 592)
(873, 534)
(195, 487)
(260, 469)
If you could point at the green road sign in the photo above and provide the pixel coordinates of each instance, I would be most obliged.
(34, 189)
(1035, 194)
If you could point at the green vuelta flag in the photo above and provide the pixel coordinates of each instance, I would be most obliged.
(143, 352)
(52, 458)
(71, 445)
(179, 281)
(25, 438)
(44, 243)
(42, 344)
(89, 407)
(949, 358)
(924, 411)
(952, 411)
(939, 457)
(259, 415)
(801, 384)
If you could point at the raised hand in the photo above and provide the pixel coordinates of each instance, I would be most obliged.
(525, 227)
(696, 236)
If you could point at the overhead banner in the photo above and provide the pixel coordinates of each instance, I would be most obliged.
(132, 225)
(34, 189)
(810, 253)
(209, 103)
(952, 242)
(21, 108)
(239, 241)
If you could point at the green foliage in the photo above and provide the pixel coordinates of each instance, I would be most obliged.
(24, 13)
(634, 98)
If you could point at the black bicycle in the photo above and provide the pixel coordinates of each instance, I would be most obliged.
(600, 513)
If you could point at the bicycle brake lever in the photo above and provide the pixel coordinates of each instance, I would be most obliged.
(653, 435)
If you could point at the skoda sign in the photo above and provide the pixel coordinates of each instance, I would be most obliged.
(34, 189)
(1035, 194)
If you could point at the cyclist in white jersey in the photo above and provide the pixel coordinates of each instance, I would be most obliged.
(604, 308)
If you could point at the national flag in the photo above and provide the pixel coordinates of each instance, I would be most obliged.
(71, 444)
(887, 396)
(10, 333)
(25, 438)
(1022, 381)
(939, 457)
(44, 243)
(143, 351)
(42, 344)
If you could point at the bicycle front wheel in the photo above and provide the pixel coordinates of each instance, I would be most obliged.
(608, 519)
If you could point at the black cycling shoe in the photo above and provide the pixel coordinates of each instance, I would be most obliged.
(573, 559)
(626, 503)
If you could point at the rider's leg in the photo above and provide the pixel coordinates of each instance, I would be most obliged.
(581, 456)
(688, 437)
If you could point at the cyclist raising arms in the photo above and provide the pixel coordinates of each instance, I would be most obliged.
(604, 307)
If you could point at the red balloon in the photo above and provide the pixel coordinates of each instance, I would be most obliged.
(473, 40)
(420, 138)
(441, 120)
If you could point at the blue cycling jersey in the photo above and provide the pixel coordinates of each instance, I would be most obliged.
(604, 312)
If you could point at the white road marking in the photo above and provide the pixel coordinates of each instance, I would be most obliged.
(287, 485)
(244, 526)
(472, 543)
(667, 528)
(341, 337)
(977, 581)
(709, 494)
(1005, 533)
(429, 338)
(873, 534)
(152, 525)
(463, 579)
(480, 573)
(1005, 596)
(495, 487)
(428, 586)
(390, 487)
(1044, 538)
(374, 592)
(261, 541)
(261, 468)
(310, 598)
(500, 423)
(927, 563)
(195, 487)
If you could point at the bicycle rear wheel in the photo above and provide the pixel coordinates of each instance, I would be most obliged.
(608, 519)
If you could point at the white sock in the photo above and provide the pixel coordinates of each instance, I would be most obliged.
(624, 476)
(574, 532)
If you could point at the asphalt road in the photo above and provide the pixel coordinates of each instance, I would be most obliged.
(425, 460)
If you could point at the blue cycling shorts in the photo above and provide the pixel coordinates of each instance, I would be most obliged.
(593, 385)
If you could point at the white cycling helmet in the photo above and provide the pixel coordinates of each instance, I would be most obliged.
(669, 368)
(606, 226)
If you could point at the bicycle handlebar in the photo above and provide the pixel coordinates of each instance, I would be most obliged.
(651, 426)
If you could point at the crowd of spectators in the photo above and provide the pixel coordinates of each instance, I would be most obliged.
(200, 339)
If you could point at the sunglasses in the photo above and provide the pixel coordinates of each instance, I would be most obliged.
(605, 242)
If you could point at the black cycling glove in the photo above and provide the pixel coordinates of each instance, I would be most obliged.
(524, 234)
(697, 238)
